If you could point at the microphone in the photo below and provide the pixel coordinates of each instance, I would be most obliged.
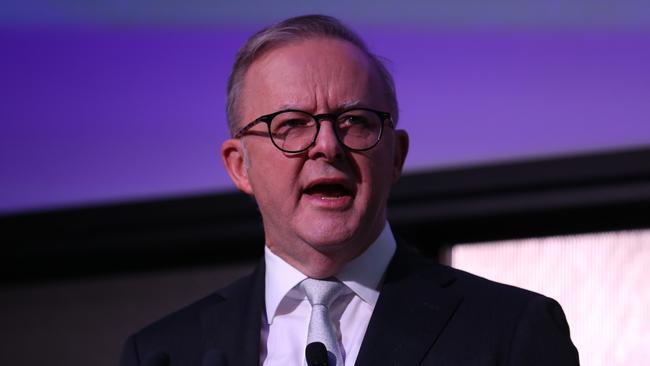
(157, 359)
(316, 354)
(214, 358)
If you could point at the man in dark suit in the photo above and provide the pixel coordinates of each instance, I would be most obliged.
(313, 118)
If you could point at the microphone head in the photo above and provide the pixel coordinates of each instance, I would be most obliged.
(316, 354)
(214, 358)
(156, 359)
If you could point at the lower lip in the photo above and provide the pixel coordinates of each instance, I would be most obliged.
(340, 202)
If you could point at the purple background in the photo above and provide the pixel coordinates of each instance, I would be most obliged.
(98, 114)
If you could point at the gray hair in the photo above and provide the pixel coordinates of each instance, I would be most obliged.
(294, 29)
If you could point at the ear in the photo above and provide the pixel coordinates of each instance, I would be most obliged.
(232, 153)
(400, 151)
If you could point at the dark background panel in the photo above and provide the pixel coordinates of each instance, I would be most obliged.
(430, 210)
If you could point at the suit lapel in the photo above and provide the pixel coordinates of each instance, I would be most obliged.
(414, 306)
(232, 325)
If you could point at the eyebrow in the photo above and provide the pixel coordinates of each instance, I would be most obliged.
(351, 104)
(343, 106)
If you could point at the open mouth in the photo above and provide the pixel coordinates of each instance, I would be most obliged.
(328, 191)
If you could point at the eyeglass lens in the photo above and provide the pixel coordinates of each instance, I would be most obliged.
(357, 129)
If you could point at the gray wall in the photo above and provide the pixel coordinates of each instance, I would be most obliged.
(83, 322)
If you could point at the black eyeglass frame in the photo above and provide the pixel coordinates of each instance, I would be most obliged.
(267, 118)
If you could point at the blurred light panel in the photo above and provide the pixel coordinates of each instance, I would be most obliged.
(600, 279)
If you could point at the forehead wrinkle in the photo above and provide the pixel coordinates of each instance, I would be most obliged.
(339, 94)
(340, 78)
(320, 88)
(323, 85)
(301, 93)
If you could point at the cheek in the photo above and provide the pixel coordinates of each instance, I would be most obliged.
(378, 175)
(274, 179)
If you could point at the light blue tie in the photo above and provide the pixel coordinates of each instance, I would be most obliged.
(321, 294)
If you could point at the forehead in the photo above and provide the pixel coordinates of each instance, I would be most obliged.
(317, 75)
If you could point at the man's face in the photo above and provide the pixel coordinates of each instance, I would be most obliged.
(323, 207)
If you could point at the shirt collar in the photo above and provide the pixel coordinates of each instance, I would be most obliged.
(280, 278)
(362, 275)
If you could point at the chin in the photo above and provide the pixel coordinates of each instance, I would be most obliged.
(330, 239)
(331, 232)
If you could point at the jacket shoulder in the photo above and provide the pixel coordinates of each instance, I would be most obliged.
(185, 333)
(505, 323)
(472, 287)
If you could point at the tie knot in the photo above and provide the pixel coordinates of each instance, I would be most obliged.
(322, 292)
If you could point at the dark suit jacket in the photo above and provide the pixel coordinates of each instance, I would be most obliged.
(426, 314)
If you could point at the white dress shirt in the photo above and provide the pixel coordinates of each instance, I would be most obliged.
(286, 319)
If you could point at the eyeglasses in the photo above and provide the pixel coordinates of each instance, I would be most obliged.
(295, 131)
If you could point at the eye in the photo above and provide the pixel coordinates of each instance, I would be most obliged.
(296, 123)
(355, 119)
(290, 122)
(286, 125)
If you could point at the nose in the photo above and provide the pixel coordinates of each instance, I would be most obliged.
(327, 145)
